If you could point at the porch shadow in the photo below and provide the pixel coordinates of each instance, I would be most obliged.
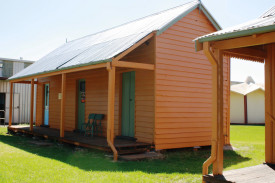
(176, 161)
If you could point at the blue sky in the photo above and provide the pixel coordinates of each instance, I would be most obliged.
(32, 28)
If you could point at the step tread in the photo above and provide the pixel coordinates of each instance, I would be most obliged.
(132, 151)
(141, 156)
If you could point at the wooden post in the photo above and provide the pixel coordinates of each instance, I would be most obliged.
(269, 105)
(218, 163)
(11, 97)
(63, 98)
(111, 103)
(32, 101)
(272, 130)
(111, 109)
(227, 137)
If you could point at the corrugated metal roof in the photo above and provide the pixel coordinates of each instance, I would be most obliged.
(246, 87)
(265, 23)
(270, 12)
(103, 46)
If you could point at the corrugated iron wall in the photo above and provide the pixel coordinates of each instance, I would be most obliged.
(24, 92)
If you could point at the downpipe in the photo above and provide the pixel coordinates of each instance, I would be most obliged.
(210, 160)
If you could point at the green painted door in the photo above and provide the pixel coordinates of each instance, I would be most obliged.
(81, 102)
(128, 104)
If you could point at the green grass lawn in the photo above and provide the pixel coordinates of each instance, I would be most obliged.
(21, 161)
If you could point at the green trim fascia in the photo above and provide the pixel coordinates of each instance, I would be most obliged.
(176, 20)
(66, 68)
(242, 33)
(196, 46)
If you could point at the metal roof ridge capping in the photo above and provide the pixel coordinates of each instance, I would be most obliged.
(103, 46)
(265, 23)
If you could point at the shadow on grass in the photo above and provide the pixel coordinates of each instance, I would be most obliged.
(176, 161)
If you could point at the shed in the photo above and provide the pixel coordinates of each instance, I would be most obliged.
(144, 76)
(21, 93)
(247, 103)
(253, 40)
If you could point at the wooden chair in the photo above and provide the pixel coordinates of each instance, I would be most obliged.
(97, 124)
(89, 126)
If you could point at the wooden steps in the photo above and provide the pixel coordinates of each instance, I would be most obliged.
(141, 156)
(133, 149)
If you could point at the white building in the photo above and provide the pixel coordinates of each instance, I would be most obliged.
(21, 96)
(247, 103)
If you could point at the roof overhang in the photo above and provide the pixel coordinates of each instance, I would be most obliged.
(92, 65)
(82, 67)
(247, 47)
(236, 34)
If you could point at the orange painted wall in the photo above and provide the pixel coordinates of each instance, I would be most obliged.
(173, 103)
(96, 100)
(183, 85)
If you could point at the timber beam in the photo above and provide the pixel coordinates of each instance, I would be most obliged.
(76, 69)
(143, 40)
(249, 53)
(134, 65)
(247, 41)
(26, 82)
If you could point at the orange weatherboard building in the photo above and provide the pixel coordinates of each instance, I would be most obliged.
(143, 79)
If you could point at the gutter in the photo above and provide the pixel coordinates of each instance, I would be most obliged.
(56, 70)
(236, 34)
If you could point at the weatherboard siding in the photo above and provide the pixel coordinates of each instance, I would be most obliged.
(54, 102)
(97, 101)
(236, 108)
(144, 116)
(184, 85)
(256, 107)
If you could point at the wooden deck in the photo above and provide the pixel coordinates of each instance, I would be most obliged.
(122, 145)
(257, 174)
